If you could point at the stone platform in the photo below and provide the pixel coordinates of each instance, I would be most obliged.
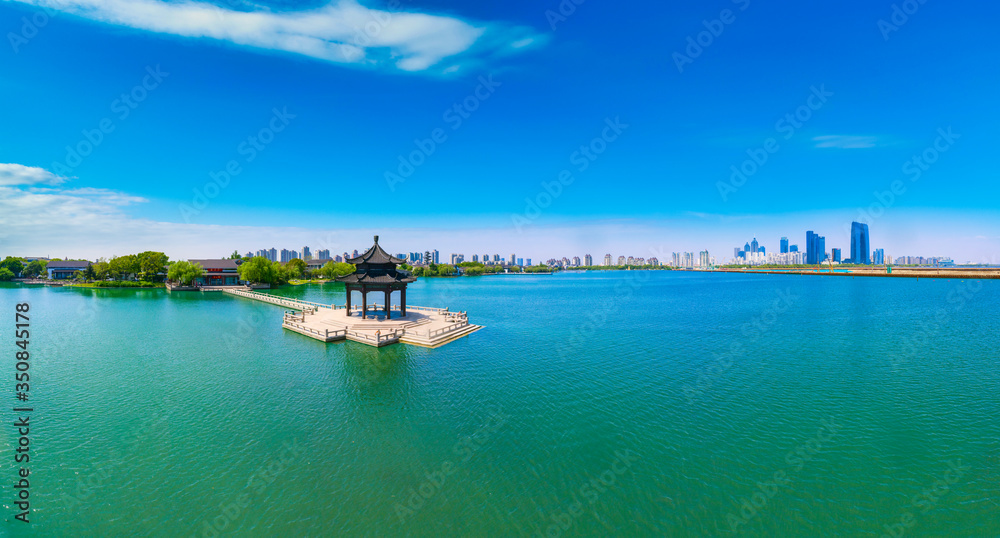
(422, 326)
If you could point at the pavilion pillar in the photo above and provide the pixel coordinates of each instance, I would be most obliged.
(364, 303)
(388, 297)
(348, 301)
(402, 300)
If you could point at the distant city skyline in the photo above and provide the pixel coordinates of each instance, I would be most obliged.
(501, 126)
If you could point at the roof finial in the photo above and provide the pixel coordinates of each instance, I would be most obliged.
(376, 239)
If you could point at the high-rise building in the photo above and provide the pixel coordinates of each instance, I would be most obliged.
(784, 245)
(325, 254)
(306, 254)
(513, 259)
(475, 257)
(754, 246)
(529, 262)
(704, 260)
(878, 257)
(607, 260)
(496, 258)
(836, 255)
(762, 251)
(520, 262)
(793, 248)
(436, 255)
(621, 261)
(576, 261)
(286, 255)
(860, 244)
(588, 260)
(815, 248)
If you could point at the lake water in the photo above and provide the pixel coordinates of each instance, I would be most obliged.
(638, 403)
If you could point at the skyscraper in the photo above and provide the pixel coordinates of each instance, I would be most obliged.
(784, 245)
(588, 260)
(815, 248)
(860, 244)
(836, 255)
(754, 246)
(607, 260)
(878, 257)
(306, 254)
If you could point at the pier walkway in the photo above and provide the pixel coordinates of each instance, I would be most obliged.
(422, 326)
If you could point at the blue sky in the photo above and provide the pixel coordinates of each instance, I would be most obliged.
(349, 87)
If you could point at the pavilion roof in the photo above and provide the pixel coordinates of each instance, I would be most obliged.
(376, 256)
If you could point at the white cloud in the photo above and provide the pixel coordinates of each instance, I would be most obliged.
(18, 174)
(343, 31)
(846, 142)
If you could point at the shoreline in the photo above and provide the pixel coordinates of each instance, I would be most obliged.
(907, 272)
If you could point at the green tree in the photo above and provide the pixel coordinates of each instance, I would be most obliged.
(89, 273)
(151, 264)
(235, 255)
(101, 269)
(296, 268)
(474, 271)
(5, 274)
(258, 270)
(184, 272)
(281, 274)
(35, 268)
(336, 269)
(14, 265)
(445, 270)
(123, 267)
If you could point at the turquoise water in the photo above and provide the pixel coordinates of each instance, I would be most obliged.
(603, 403)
